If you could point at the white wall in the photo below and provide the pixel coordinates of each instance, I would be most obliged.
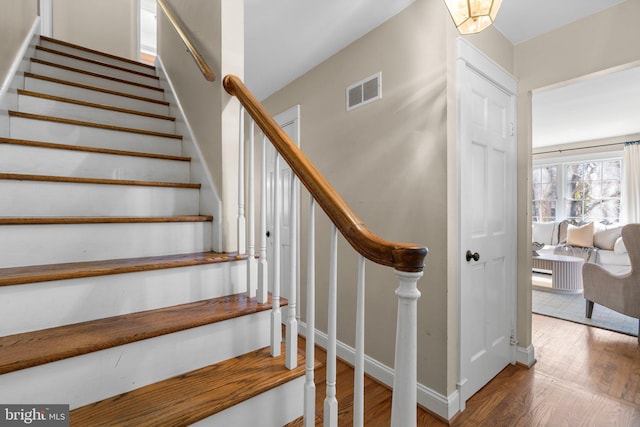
(107, 25)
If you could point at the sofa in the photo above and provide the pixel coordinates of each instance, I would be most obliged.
(596, 243)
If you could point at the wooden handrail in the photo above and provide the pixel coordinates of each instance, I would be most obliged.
(206, 71)
(401, 256)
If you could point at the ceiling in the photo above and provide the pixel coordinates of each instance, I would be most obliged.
(286, 38)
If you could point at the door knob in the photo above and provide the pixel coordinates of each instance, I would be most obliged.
(268, 234)
(473, 256)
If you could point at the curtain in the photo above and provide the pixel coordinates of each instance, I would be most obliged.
(631, 187)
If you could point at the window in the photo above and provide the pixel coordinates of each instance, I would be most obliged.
(545, 193)
(581, 190)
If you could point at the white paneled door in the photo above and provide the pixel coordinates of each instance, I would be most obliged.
(289, 122)
(487, 226)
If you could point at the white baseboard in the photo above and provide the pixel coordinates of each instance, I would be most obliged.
(443, 406)
(14, 79)
(526, 356)
(210, 202)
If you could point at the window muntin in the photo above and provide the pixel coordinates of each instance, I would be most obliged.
(582, 191)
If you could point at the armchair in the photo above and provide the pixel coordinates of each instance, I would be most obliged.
(620, 293)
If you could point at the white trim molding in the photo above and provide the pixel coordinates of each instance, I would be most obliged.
(443, 406)
(525, 356)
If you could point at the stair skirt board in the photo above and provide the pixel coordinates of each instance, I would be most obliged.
(90, 93)
(119, 85)
(275, 408)
(81, 380)
(25, 159)
(34, 103)
(93, 67)
(35, 306)
(95, 55)
(63, 133)
(55, 199)
(39, 244)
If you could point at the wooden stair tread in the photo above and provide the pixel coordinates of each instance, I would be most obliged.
(193, 396)
(74, 270)
(107, 55)
(57, 146)
(105, 181)
(25, 350)
(94, 88)
(95, 62)
(91, 124)
(91, 73)
(93, 105)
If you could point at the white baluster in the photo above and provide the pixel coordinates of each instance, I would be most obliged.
(276, 315)
(309, 385)
(358, 372)
(242, 226)
(263, 271)
(252, 264)
(330, 402)
(292, 321)
(403, 407)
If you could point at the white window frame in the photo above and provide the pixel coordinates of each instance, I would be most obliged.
(562, 161)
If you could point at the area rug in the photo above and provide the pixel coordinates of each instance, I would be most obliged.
(572, 307)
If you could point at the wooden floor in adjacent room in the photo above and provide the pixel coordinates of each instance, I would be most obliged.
(584, 376)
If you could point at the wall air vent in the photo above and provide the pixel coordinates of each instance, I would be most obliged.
(364, 92)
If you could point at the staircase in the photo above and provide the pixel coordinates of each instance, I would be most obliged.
(111, 298)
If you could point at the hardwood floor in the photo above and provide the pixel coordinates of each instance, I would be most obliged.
(584, 376)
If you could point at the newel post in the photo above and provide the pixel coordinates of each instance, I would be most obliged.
(403, 408)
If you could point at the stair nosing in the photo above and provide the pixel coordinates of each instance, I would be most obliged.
(94, 105)
(95, 62)
(47, 345)
(97, 150)
(94, 88)
(196, 395)
(93, 74)
(97, 52)
(12, 276)
(63, 120)
(105, 181)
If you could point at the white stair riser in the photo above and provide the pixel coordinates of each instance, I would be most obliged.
(25, 308)
(95, 68)
(47, 161)
(96, 57)
(58, 89)
(100, 82)
(38, 198)
(274, 408)
(88, 378)
(24, 245)
(86, 136)
(48, 107)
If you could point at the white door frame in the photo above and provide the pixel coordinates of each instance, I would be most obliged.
(470, 57)
(45, 10)
(288, 117)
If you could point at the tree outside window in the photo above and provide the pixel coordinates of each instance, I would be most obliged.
(545, 193)
(582, 191)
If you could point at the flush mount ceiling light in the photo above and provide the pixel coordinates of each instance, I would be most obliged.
(473, 16)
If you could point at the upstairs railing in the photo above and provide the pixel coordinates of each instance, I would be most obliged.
(206, 71)
(406, 259)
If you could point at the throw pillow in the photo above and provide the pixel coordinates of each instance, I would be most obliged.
(562, 230)
(581, 236)
(606, 239)
(542, 232)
